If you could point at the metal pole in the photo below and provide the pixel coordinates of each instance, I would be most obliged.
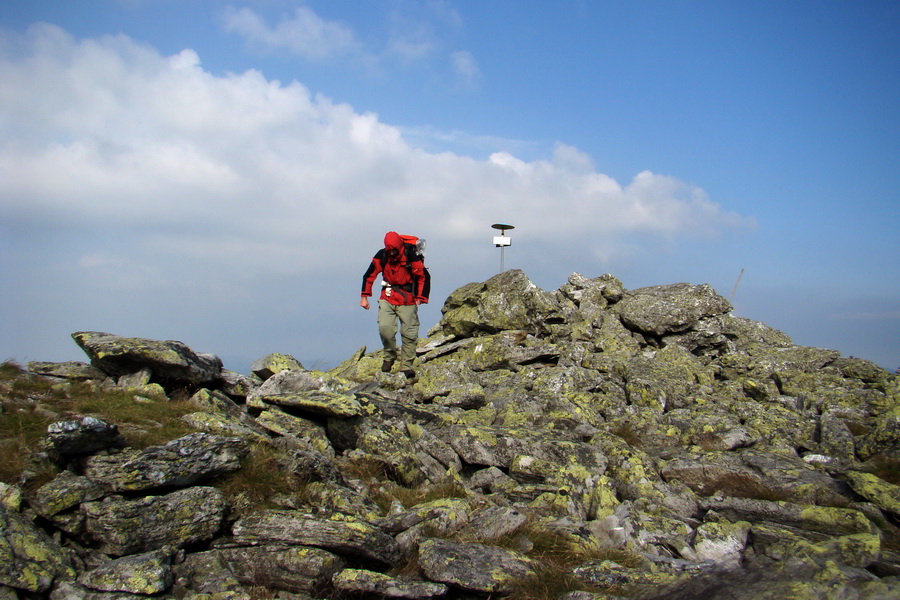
(502, 241)
(734, 289)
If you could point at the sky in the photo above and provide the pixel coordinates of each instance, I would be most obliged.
(221, 173)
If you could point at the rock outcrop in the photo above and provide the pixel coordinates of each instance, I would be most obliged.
(589, 442)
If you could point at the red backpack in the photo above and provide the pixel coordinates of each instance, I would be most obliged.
(414, 248)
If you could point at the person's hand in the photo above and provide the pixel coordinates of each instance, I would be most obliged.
(364, 302)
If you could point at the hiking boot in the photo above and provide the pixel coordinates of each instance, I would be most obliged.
(387, 365)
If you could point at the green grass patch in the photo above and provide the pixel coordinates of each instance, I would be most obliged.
(260, 479)
(29, 403)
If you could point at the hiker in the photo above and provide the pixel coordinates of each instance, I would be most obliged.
(405, 285)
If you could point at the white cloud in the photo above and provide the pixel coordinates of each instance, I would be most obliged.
(466, 67)
(141, 163)
(304, 33)
(158, 138)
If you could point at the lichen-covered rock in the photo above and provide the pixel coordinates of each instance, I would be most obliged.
(653, 423)
(670, 308)
(83, 436)
(284, 424)
(884, 495)
(29, 559)
(187, 460)
(505, 350)
(323, 403)
(276, 566)
(826, 520)
(266, 367)
(506, 302)
(357, 581)
(670, 378)
(884, 438)
(237, 384)
(145, 574)
(74, 370)
(224, 425)
(120, 526)
(753, 473)
(720, 542)
(206, 573)
(65, 491)
(171, 361)
(338, 533)
(473, 567)
(781, 543)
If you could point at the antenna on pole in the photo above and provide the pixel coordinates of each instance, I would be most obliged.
(502, 241)
(734, 289)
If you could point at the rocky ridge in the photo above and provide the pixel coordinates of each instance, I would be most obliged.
(663, 446)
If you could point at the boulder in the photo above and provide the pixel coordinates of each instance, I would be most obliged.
(144, 574)
(673, 308)
(358, 581)
(266, 367)
(74, 370)
(31, 560)
(119, 526)
(292, 568)
(473, 567)
(170, 361)
(83, 436)
(337, 533)
(188, 460)
(506, 302)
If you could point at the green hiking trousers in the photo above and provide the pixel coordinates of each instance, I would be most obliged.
(408, 316)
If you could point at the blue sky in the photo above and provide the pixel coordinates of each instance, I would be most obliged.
(221, 173)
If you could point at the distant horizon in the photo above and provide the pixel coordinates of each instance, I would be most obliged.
(231, 361)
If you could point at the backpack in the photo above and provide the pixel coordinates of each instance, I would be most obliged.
(415, 251)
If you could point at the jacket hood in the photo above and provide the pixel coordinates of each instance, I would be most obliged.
(392, 240)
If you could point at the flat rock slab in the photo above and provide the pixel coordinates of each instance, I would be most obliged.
(181, 462)
(119, 526)
(369, 582)
(339, 534)
(328, 404)
(170, 360)
(474, 567)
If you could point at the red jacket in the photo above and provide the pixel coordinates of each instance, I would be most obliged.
(403, 271)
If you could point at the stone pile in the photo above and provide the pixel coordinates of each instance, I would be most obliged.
(679, 450)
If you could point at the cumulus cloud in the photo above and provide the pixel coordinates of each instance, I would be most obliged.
(149, 164)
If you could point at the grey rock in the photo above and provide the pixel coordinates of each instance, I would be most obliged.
(323, 403)
(83, 436)
(506, 302)
(191, 459)
(170, 361)
(31, 560)
(64, 492)
(74, 370)
(473, 567)
(266, 367)
(670, 308)
(144, 574)
(369, 582)
(291, 568)
(121, 526)
(339, 533)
